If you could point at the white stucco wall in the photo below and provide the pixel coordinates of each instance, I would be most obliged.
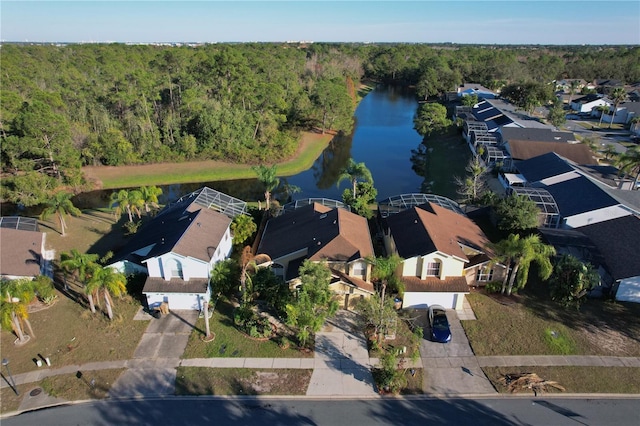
(449, 266)
(177, 301)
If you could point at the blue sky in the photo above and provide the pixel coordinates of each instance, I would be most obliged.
(425, 21)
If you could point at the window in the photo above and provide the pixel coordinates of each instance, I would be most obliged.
(358, 269)
(433, 269)
(175, 268)
(484, 274)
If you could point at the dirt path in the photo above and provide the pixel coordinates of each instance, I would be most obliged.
(311, 145)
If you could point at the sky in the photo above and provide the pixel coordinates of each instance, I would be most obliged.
(420, 21)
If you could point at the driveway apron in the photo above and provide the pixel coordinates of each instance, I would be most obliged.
(152, 371)
(451, 368)
(341, 360)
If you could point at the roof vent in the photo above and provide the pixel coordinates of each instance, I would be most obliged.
(323, 215)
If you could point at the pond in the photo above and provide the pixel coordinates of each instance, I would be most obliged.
(383, 138)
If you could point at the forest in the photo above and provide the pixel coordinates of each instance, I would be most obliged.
(66, 106)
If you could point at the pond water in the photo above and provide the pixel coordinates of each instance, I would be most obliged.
(383, 138)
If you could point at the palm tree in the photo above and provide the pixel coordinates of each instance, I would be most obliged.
(83, 265)
(521, 252)
(618, 95)
(15, 298)
(354, 172)
(246, 264)
(150, 196)
(61, 206)
(602, 109)
(629, 163)
(267, 176)
(126, 201)
(573, 88)
(111, 282)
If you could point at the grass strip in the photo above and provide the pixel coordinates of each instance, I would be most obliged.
(624, 380)
(241, 381)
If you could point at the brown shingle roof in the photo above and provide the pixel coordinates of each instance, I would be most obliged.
(429, 227)
(432, 284)
(175, 285)
(578, 153)
(203, 235)
(20, 252)
(357, 282)
(327, 234)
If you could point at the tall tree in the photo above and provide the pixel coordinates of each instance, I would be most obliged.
(110, 282)
(618, 95)
(82, 265)
(571, 280)
(14, 300)
(516, 213)
(384, 271)
(60, 205)
(242, 227)
(474, 184)
(602, 109)
(520, 253)
(557, 116)
(129, 201)
(268, 178)
(354, 172)
(431, 117)
(314, 302)
(629, 162)
(150, 196)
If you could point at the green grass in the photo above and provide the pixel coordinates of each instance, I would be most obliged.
(311, 146)
(523, 325)
(241, 381)
(624, 380)
(231, 343)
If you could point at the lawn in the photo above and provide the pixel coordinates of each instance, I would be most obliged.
(231, 343)
(67, 333)
(241, 381)
(531, 325)
(576, 379)
(91, 385)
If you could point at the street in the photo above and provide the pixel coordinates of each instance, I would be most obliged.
(509, 410)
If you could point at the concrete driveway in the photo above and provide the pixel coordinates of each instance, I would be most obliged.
(451, 368)
(152, 371)
(341, 359)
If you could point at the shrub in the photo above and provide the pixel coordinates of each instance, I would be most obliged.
(493, 287)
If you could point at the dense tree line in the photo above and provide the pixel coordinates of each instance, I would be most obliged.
(63, 107)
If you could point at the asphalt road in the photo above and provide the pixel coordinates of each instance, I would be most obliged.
(386, 411)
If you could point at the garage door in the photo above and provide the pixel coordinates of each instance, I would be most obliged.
(424, 300)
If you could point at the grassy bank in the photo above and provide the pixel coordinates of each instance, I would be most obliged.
(108, 177)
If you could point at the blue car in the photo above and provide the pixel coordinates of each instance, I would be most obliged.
(440, 331)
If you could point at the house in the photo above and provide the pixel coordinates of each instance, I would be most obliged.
(625, 112)
(520, 150)
(617, 240)
(470, 89)
(566, 84)
(320, 233)
(588, 104)
(178, 248)
(22, 248)
(444, 253)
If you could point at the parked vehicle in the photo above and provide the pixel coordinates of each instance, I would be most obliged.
(440, 331)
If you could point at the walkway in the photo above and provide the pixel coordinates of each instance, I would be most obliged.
(342, 364)
(152, 371)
